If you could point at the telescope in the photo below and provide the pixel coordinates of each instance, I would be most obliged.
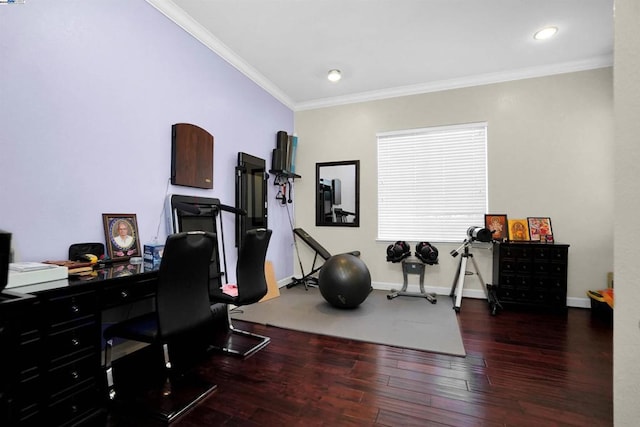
(480, 234)
(473, 234)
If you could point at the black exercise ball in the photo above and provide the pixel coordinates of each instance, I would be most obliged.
(344, 281)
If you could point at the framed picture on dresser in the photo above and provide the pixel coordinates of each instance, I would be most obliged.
(518, 230)
(121, 236)
(540, 229)
(497, 224)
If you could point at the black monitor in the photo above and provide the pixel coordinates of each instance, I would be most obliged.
(5, 255)
(251, 194)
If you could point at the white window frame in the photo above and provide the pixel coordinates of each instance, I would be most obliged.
(432, 182)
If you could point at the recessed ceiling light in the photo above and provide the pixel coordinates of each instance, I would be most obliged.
(334, 75)
(545, 33)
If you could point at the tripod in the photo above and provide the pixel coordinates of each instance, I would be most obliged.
(458, 281)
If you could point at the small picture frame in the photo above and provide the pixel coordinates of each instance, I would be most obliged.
(121, 236)
(518, 230)
(497, 224)
(540, 229)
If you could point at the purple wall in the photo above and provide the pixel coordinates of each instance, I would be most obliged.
(88, 93)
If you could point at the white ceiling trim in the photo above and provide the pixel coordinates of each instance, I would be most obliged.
(184, 21)
(177, 15)
(478, 80)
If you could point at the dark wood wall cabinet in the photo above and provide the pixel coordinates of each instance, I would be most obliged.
(531, 274)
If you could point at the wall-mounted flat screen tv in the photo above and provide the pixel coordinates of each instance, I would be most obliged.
(251, 194)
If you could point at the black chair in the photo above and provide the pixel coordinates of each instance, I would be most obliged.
(252, 287)
(182, 314)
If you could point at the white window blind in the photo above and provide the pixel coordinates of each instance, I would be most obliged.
(432, 182)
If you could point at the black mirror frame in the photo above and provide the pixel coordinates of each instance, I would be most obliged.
(319, 213)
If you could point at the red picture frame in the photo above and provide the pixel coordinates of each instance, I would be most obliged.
(498, 225)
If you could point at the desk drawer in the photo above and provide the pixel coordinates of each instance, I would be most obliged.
(72, 307)
(27, 399)
(66, 377)
(29, 352)
(74, 408)
(128, 292)
(70, 342)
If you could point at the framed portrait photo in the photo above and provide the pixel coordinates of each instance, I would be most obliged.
(540, 228)
(497, 224)
(121, 236)
(518, 230)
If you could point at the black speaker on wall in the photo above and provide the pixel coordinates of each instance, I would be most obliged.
(279, 155)
(277, 160)
(282, 139)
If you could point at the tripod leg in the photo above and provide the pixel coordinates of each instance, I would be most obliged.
(462, 271)
(455, 280)
(489, 292)
(477, 271)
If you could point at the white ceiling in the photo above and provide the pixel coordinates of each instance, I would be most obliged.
(391, 48)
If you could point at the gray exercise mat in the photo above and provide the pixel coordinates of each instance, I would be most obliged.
(407, 322)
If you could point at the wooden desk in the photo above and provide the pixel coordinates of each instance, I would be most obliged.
(50, 345)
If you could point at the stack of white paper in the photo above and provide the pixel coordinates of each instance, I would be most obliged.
(28, 273)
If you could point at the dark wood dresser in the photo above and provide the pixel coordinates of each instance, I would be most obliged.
(531, 274)
(50, 346)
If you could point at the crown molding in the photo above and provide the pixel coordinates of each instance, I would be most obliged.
(177, 15)
(478, 80)
(169, 9)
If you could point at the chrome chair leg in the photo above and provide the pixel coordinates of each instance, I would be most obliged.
(165, 352)
(262, 340)
(111, 392)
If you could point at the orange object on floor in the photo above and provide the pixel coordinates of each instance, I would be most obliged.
(603, 296)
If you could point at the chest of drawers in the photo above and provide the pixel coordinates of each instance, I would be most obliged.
(50, 342)
(531, 274)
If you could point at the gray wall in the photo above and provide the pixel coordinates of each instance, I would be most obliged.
(626, 366)
(550, 153)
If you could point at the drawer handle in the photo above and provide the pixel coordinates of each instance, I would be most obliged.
(75, 309)
(74, 409)
(75, 342)
(124, 294)
(75, 375)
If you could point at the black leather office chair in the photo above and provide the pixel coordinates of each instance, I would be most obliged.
(183, 312)
(252, 287)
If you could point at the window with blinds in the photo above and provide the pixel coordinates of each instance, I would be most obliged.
(432, 182)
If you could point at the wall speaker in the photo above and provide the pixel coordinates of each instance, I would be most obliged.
(282, 140)
(277, 160)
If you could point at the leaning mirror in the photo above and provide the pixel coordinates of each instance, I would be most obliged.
(338, 194)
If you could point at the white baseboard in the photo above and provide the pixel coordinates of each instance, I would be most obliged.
(579, 302)
(439, 290)
(471, 293)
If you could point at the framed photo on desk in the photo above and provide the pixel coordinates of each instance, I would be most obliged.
(121, 236)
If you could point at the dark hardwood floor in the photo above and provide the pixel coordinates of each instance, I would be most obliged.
(521, 369)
